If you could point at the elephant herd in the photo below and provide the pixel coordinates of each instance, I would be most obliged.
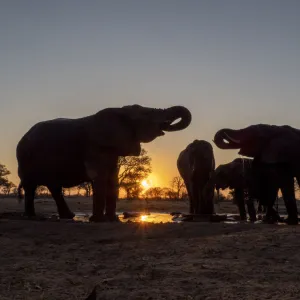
(62, 153)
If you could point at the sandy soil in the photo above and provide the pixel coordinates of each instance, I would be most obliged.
(63, 260)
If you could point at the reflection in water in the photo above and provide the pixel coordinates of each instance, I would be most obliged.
(157, 217)
(133, 217)
(148, 218)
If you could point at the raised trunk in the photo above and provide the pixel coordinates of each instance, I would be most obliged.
(226, 139)
(172, 114)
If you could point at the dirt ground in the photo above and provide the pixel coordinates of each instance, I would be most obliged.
(64, 260)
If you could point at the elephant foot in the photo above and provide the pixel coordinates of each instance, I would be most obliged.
(67, 215)
(252, 220)
(112, 218)
(291, 221)
(270, 219)
(30, 214)
(98, 218)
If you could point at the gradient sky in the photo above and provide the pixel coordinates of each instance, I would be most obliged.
(232, 63)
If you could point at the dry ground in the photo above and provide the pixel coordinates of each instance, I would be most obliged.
(63, 260)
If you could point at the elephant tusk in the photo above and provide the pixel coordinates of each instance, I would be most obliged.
(231, 139)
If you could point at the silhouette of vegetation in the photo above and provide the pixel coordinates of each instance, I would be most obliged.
(132, 171)
(42, 191)
(87, 187)
(6, 186)
(178, 187)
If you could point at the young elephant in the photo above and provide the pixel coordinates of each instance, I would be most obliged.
(66, 152)
(237, 175)
(196, 164)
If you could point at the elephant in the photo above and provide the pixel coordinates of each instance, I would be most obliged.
(62, 153)
(196, 164)
(93, 294)
(276, 162)
(237, 175)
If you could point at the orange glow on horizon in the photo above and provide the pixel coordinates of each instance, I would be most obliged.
(143, 218)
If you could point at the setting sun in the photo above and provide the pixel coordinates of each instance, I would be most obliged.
(146, 184)
(143, 218)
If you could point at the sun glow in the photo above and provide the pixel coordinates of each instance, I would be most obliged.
(146, 184)
(143, 218)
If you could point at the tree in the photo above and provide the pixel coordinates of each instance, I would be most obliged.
(42, 191)
(178, 186)
(67, 191)
(154, 193)
(132, 171)
(87, 187)
(7, 187)
(170, 194)
(4, 172)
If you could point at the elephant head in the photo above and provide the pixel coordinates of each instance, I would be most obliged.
(231, 175)
(269, 143)
(201, 157)
(121, 130)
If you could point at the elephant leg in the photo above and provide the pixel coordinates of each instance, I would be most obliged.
(288, 194)
(207, 194)
(112, 192)
(239, 197)
(190, 195)
(99, 196)
(196, 199)
(251, 209)
(29, 191)
(271, 194)
(62, 207)
(259, 207)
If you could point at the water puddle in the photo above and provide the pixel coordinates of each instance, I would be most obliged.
(135, 217)
(163, 217)
(141, 217)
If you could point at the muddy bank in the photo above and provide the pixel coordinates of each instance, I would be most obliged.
(65, 260)
(43, 260)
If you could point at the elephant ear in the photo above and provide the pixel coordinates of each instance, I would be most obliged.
(114, 132)
(281, 150)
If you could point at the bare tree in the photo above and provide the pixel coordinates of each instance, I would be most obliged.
(178, 186)
(87, 187)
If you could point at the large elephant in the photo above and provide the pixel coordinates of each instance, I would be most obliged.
(66, 152)
(196, 164)
(238, 175)
(275, 150)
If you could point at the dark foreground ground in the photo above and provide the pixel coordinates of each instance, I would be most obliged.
(63, 260)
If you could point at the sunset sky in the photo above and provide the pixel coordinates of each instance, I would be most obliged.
(232, 63)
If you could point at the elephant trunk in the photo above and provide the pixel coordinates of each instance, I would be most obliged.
(226, 139)
(172, 114)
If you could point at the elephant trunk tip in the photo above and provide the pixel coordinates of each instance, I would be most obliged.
(223, 139)
(174, 113)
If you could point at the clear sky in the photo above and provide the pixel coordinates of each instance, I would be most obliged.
(232, 63)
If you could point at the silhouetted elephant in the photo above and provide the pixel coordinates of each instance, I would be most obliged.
(66, 152)
(238, 175)
(93, 294)
(275, 150)
(196, 164)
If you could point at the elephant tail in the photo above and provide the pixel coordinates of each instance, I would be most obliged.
(20, 194)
